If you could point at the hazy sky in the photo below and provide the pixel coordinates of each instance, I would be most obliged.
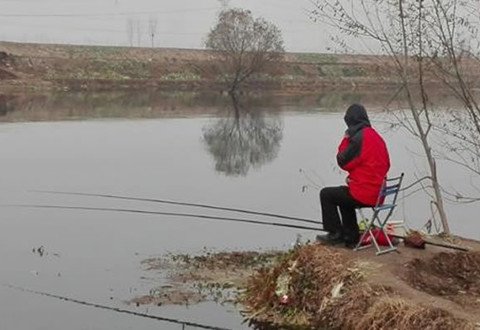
(181, 23)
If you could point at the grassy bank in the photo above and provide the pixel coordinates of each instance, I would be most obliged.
(63, 67)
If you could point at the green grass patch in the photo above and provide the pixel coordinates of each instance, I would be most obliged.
(101, 69)
(330, 71)
(337, 71)
(181, 76)
(97, 52)
(353, 71)
(297, 70)
(317, 58)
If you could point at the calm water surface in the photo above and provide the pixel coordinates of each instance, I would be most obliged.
(194, 149)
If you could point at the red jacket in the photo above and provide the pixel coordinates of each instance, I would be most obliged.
(365, 157)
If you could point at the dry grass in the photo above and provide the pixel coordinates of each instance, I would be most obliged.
(314, 272)
(396, 313)
(327, 290)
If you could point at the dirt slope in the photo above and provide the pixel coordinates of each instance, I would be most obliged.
(43, 66)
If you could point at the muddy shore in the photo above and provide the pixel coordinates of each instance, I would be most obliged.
(329, 287)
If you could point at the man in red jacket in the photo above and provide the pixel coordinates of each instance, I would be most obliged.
(364, 155)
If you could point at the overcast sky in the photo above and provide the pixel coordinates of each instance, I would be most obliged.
(181, 23)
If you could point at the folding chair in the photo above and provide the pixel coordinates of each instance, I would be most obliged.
(381, 213)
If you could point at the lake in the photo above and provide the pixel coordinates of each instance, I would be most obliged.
(270, 154)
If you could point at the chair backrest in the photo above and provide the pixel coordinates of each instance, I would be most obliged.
(387, 197)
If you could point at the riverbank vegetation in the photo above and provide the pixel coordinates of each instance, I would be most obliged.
(39, 67)
(313, 286)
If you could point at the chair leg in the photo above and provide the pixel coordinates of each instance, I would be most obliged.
(365, 231)
(390, 247)
(374, 237)
(363, 236)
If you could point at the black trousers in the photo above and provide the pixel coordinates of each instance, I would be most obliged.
(334, 198)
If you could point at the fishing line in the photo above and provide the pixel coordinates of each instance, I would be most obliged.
(115, 309)
(188, 215)
(309, 179)
(448, 246)
(164, 201)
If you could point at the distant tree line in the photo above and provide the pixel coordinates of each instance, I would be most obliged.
(135, 31)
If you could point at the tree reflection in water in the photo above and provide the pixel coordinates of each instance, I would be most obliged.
(243, 139)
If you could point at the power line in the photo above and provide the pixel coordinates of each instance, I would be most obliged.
(113, 14)
(106, 30)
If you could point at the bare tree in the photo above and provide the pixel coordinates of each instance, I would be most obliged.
(130, 30)
(401, 29)
(456, 59)
(138, 28)
(152, 28)
(224, 4)
(244, 43)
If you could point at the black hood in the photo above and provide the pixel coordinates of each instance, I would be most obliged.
(356, 118)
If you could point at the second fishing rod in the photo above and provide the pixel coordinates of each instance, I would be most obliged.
(171, 214)
(206, 217)
(179, 203)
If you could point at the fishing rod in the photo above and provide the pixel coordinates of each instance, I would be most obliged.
(174, 214)
(447, 246)
(208, 217)
(164, 201)
(115, 309)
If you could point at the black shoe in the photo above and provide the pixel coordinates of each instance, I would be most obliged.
(351, 244)
(330, 238)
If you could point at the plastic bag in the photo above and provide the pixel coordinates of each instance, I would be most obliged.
(380, 237)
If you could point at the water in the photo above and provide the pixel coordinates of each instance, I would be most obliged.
(183, 147)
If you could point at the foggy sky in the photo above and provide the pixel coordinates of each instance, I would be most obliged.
(181, 23)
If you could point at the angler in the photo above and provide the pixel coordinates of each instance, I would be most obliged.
(364, 155)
